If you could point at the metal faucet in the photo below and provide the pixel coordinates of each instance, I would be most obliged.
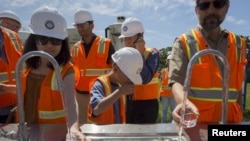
(225, 80)
(22, 133)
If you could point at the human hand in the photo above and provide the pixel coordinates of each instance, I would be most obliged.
(127, 89)
(177, 113)
(139, 44)
(76, 135)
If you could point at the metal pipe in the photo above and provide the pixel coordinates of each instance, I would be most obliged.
(225, 79)
(23, 134)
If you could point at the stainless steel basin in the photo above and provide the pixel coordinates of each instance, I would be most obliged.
(113, 132)
(132, 132)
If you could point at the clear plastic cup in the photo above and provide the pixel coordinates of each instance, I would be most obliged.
(190, 119)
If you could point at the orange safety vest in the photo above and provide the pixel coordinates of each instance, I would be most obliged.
(107, 117)
(13, 49)
(207, 91)
(150, 90)
(50, 105)
(95, 64)
(165, 90)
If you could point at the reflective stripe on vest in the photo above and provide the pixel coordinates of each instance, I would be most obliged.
(54, 82)
(14, 40)
(106, 85)
(4, 76)
(101, 47)
(100, 50)
(192, 41)
(94, 72)
(165, 87)
(212, 94)
(51, 114)
(193, 47)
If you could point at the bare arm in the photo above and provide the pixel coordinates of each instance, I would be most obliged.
(7, 88)
(178, 92)
(71, 105)
(110, 99)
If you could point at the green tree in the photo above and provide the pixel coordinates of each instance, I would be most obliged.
(164, 52)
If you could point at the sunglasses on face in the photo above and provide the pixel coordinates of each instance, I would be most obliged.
(43, 40)
(218, 4)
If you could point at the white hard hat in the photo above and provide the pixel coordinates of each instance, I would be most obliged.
(10, 14)
(47, 21)
(82, 16)
(130, 61)
(130, 27)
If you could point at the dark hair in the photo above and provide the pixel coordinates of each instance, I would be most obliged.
(197, 1)
(30, 45)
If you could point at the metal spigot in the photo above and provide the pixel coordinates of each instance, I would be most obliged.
(225, 80)
(22, 133)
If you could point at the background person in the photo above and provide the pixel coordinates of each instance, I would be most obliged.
(142, 106)
(167, 98)
(10, 51)
(10, 20)
(92, 55)
(108, 91)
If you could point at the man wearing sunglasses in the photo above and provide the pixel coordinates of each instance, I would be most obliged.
(204, 97)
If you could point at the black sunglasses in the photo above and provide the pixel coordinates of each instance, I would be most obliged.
(217, 4)
(43, 40)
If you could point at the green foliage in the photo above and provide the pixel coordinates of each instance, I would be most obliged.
(164, 52)
(247, 104)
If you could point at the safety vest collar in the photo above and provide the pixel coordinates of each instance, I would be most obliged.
(192, 45)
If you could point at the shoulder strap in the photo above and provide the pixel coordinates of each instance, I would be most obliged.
(75, 48)
(104, 80)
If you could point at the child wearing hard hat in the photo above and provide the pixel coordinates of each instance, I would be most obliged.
(106, 92)
(42, 99)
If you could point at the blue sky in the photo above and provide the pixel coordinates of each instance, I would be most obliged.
(163, 20)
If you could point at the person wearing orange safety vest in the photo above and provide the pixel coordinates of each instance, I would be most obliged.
(10, 51)
(92, 56)
(167, 98)
(49, 97)
(49, 105)
(142, 106)
(206, 90)
(107, 92)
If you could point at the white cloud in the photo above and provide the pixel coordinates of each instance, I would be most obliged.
(233, 20)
